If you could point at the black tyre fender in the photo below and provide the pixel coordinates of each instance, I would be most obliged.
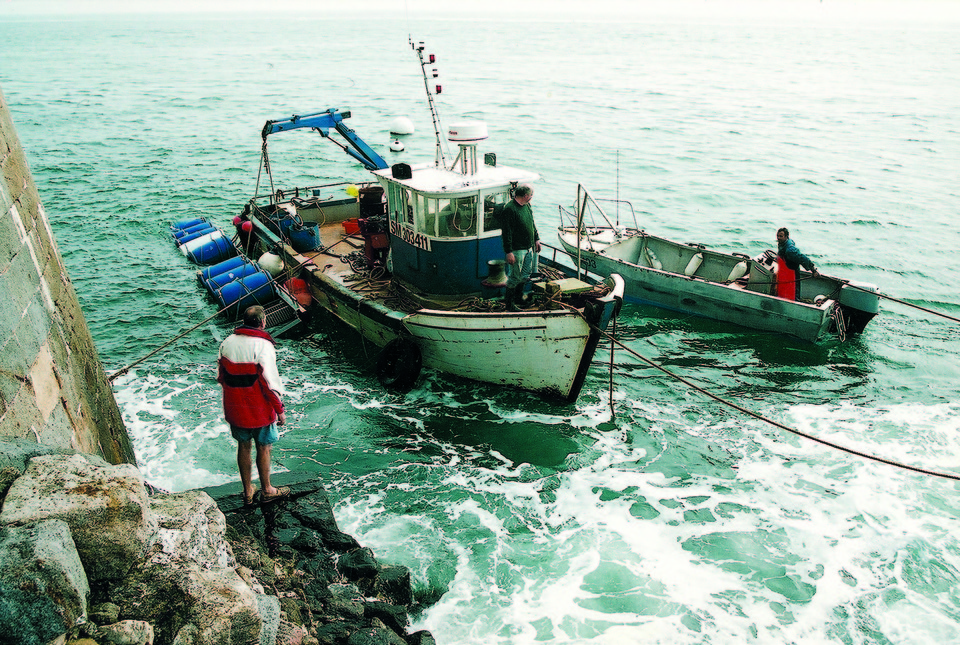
(398, 365)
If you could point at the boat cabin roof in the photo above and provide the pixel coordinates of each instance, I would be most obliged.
(428, 178)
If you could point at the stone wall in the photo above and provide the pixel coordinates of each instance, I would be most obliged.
(53, 389)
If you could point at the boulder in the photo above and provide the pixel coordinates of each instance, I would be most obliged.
(269, 608)
(390, 615)
(345, 601)
(105, 506)
(315, 512)
(43, 588)
(187, 635)
(308, 506)
(17, 453)
(422, 637)
(8, 475)
(322, 577)
(359, 566)
(375, 634)
(393, 584)
(216, 602)
(291, 634)
(190, 527)
(126, 632)
(104, 613)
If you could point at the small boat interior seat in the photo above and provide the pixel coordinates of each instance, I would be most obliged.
(761, 278)
(629, 250)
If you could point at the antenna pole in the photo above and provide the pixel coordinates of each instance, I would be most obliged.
(441, 159)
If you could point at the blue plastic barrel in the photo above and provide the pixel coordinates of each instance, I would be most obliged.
(200, 240)
(180, 232)
(305, 238)
(216, 282)
(189, 237)
(216, 249)
(185, 223)
(221, 267)
(286, 223)
(254, 289)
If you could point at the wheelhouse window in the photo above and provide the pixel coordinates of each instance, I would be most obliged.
(446, 217)
(457, 217)
(492, 206)
(401, 200)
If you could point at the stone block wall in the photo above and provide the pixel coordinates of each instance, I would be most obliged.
(53, 388)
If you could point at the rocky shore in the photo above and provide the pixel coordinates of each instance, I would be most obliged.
(90, 554)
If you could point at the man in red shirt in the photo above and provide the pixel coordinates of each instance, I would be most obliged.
(251, 400)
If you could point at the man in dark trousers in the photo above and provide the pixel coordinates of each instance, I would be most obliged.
(521, 243)
(251, 400)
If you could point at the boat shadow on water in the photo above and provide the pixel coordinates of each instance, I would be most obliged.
(729, 360)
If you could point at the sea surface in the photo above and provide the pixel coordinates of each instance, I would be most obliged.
(648, 513)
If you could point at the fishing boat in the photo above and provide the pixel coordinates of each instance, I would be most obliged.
(754, 292)
(412, 259)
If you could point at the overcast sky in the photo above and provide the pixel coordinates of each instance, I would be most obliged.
(853, 9)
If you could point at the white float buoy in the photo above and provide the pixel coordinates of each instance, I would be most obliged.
(271, 263)
(396, 146)
(401, 125)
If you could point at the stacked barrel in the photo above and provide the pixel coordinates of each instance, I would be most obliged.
(235, 282)
(201, 241)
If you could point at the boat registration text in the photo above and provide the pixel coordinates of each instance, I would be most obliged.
(410, 236)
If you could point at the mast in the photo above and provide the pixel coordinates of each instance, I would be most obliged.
(441, 159)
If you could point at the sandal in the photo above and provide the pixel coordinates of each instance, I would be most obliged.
(249, 501)
(282, 491)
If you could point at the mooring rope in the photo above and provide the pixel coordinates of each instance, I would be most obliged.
(273, 280)
(751, 413)
(777, 424)
(905, 303)
(878, 294)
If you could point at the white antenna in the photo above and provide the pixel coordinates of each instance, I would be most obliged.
(431, 59)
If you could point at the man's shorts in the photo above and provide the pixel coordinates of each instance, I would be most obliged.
(263, 436)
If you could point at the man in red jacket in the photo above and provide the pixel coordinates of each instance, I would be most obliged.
(251, 400)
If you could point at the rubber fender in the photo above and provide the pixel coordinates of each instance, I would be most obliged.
(398, 365)
(693, 265)
(738, 271)
(652, 259)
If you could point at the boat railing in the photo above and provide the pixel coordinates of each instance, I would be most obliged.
(618, 203)
(589, 212)
(561, 257)
(306, 192)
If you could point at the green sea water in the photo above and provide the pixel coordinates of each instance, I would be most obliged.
(645, 514)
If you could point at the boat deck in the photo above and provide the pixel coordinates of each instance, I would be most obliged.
(341, 258)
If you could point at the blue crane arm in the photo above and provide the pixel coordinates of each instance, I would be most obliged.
(322, 122)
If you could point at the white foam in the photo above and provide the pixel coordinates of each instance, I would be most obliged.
(774, 542)
(165, 436)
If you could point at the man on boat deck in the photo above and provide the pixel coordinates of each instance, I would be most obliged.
(792, 256)
(251, 400)
(521, 243)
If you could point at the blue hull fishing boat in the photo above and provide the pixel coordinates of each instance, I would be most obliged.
(412, 259)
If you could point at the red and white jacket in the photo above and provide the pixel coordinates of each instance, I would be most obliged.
(251, 383)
